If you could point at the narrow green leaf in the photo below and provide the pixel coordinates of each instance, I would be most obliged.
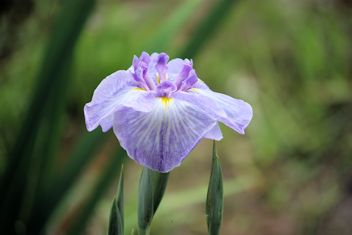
(215, 196)
(178, 201)
(120, 197)
(207, 27)
(172, 25)
(159, 181)
(113, 169)
(63, 38)
(41, 167)
(145, 201)
(65, 33)
(82, 154)
(114, 220)
(152, 187)
(116, 224)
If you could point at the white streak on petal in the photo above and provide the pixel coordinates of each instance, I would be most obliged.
(162, 138)
(234, 113)
(101, 113)
(111, 85)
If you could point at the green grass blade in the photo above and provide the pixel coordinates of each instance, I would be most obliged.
(45, 147)
(120, 198)
(169, 30)
(64, 36)
(65, 33)
(152, 187)
(78, 160)
(116, 221)
(177, 202)
(113, 169)
(207, 28)
(215, 196)
(145, 201)
(53, 126)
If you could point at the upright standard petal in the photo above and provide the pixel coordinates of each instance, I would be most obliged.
(162, 138)
(175, 66)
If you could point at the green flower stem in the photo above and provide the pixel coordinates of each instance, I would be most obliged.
(152, 186)
(116, 221)
(215, 196)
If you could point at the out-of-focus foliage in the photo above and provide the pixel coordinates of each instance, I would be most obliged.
(290, 174)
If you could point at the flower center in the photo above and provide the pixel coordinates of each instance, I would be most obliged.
(165, 101)
(151, 74)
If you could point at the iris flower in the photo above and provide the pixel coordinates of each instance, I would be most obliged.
(160, 109)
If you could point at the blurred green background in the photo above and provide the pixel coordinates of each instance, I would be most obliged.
(291, 60)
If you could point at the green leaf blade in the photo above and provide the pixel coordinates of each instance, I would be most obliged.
(116, 222)
(215, 196)
(152, 187)
(113, 170)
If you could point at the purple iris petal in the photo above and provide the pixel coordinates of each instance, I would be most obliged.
(187, 68)
(214, 133)
(175, 66)
(188, 82)
(162, 138)
(238, 113)
(161, 66)
(145, 58)
(200, 85)
(166, 88)
(159, 110)
(234, 113)
(112, 84)
(140, 71)
(115, 91)
(100, 113)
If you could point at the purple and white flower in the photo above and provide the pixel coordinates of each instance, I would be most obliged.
(160, 109)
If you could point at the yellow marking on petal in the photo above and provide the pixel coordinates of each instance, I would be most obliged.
(166, 101)
(139, 89)
(195, 89)
(158, 78)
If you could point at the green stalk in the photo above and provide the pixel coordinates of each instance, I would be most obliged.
(215, 197)
(152, 186)
(113, 169)
(116, 221)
